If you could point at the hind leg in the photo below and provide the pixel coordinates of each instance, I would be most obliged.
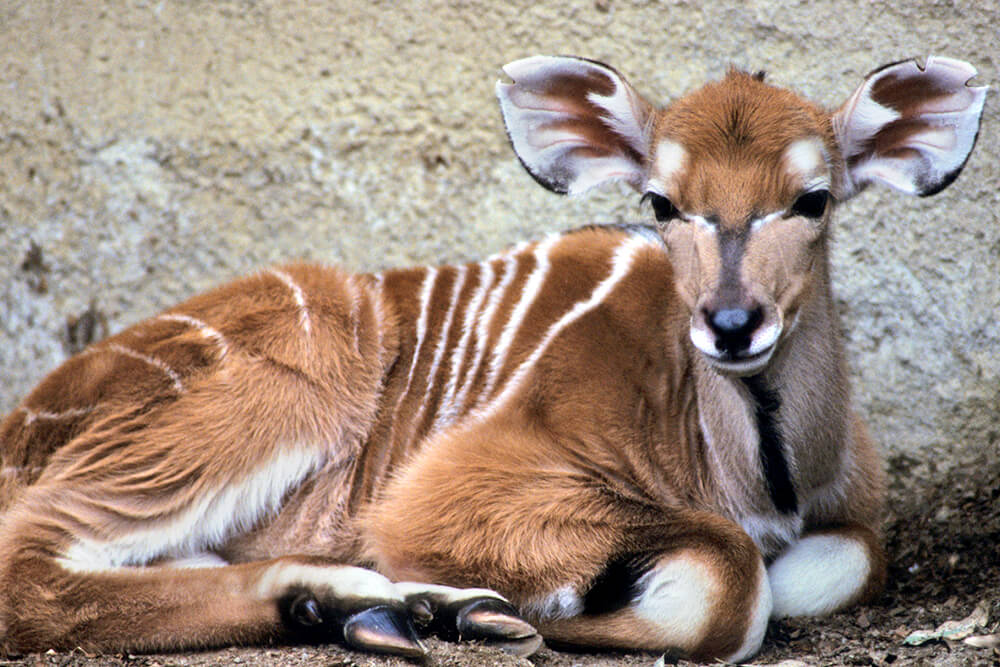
(176, 438)
(85, 551)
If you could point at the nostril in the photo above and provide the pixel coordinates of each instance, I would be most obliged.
(734, 327)
(734, 321)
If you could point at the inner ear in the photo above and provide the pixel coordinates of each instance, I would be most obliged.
(575, 123)
(910, 127)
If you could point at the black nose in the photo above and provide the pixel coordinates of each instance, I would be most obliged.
(734, 327)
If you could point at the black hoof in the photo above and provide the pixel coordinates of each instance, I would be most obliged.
(385, 630)
(491, 618)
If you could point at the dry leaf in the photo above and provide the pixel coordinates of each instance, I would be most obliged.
(952, 630)
(983, 641)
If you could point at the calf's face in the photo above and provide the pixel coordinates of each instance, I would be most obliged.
(742, 176)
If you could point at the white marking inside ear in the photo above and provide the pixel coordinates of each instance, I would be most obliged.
(866, 118)
(677, 598)
(670, 160)
(623, 115)
(818, 575)
(758, 621)
(601, 170)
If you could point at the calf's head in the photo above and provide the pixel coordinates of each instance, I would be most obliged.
(742, 176)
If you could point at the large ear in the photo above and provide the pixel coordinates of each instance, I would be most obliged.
(575, 123)
(910, 127)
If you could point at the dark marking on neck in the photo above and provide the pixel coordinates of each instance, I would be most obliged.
(767, 401)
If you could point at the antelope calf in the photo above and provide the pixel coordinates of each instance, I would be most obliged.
(640, 436)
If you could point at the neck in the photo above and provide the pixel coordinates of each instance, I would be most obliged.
(774, 437)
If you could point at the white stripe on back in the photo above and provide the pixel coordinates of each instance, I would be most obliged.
(483, 325)
(528, 294)
(30, 416)
(152, 361)
(449, 409)
(204, 329)
(621, 263)
(426, 289)
(443, 341)
(298, 295)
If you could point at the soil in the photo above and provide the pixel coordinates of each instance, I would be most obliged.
(943, 538)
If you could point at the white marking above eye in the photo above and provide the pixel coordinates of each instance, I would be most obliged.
(670, 159)
(807, 159)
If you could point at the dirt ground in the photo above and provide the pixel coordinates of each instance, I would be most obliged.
(943, 537)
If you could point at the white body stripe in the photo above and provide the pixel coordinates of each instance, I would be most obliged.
(379, 314)
(426, 289)
(235, 507)
(483, 325)
(355, 296)
(449, 409)
(145, 358)
(299, 296)
(528, 295)
(204, 329)
(442, 345)
(30, 416)
(14, 471)
(621, 263)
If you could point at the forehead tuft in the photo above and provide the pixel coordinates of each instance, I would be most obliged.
(742, 117)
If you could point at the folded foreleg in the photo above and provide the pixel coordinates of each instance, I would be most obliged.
(827, 570)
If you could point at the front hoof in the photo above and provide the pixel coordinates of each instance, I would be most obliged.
(383, 629)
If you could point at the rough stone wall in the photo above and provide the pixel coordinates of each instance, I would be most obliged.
(150, 150)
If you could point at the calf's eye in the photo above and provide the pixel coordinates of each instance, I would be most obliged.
(811, 204)
(663, 208)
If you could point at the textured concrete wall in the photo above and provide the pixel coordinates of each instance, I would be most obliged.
(149, 150)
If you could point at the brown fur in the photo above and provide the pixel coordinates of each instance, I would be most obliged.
(359, 419)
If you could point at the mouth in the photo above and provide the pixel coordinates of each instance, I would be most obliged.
(738, 362)
(741, 365)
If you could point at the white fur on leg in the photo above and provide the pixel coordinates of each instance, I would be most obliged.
(818, 575)
(677, 598)
(758, 622)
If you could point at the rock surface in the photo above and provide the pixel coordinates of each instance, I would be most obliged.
(150, 150)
